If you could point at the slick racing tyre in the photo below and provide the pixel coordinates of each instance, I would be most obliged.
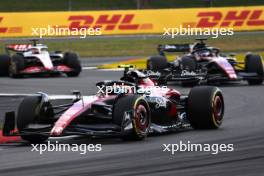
(189, 64)
(4, 65)
(132, 109)
(205, 107)
(17, 64)
(253, 64)
(157, 63)
(27, 113)
(72, 61)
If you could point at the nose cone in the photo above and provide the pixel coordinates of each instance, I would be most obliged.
(56, 131)
(46, 61)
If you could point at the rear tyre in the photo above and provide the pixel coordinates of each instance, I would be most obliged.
(157, 63)
(253, 64)
(4, 65)
(72, 61)
(137, 108)
(205, 107)
(27, 113)
(17, 64)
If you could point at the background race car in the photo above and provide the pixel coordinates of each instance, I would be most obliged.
(34, 59)
(202, 63)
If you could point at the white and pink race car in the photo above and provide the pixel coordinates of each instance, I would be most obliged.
(35, 59)
(144, 109)
(203, 64)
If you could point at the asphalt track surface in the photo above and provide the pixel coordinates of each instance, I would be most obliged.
(242, 126)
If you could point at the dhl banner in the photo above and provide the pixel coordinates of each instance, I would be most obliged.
(134, 21)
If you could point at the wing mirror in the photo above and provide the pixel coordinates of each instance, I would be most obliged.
(78, 96)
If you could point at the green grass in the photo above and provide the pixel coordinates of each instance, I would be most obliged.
(140, 46)
(65, 5)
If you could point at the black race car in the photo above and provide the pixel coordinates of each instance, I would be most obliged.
(203, 64)
(137, 108)
(34, 59)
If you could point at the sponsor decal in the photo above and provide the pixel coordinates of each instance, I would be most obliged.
(230, 18)
(188, 73)
(135, 21)
(106, 22)
(4, 29)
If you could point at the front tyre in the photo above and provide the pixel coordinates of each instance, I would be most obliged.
(205, 107)
(28, 113)
(189, 64)
(253, 64)
(71, 60)
(157, 63)
(132, 109)
(17, 64)
(4, 65)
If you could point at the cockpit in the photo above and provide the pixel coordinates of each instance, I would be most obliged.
(138, 78)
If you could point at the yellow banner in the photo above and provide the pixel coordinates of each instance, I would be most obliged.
(132, 21)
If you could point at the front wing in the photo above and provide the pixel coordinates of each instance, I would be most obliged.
(43, 70)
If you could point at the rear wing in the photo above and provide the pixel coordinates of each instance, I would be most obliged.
(173, 48)
(18, 47)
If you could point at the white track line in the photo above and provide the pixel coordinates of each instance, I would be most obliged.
(14, 95)
(112, 69)
(99, 69)
(89, 68)
(115, 69)
(52, 97)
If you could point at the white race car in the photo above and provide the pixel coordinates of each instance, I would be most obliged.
(34, 59)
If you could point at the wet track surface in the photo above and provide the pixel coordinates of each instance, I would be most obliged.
(242, 126)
